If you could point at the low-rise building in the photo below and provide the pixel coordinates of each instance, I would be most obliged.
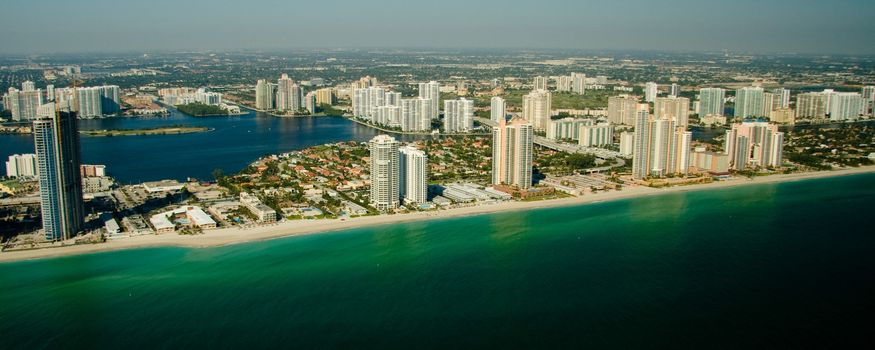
(163, 186)
(261, 211)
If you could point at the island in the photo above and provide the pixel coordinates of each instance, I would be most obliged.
(164, 130)
(198, 109)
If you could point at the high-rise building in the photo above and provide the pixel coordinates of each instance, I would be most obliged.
(458, 115)
(539, 83)
(265, 95)
(846, 105)
(712, 101)
(22, 165)
(414, 114)
(622, 109)
(28, 86)
(414, 175)
(811, 106)
(537, 108)
(674, 108)
(782, 98)
(753, 144)
(393, 98)
(659, 147)
(651, 91)
(868, 93)
(310, 102)
(385, 173)
(432, 91)
(674, 90)
(578, 83)
(23, 104)
(498, 109)
(627, 143)
(563, 83)
(749, 102)
(566, 128)
(284, 94)
(512, 144)
(325, 96)
(596, 135)
(56, 141)
(783, 116)
(50, 93)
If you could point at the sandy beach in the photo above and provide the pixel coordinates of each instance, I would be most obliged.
(236, 235)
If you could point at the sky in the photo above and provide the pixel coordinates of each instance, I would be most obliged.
(806, 26)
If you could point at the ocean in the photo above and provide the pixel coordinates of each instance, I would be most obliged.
(764, 266)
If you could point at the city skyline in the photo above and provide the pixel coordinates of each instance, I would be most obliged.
(755, 26)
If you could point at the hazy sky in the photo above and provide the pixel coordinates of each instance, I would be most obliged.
(823, 26)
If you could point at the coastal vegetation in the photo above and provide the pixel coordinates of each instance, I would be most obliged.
(164, 130)
(198, 109)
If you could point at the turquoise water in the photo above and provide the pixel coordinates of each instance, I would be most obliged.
(786, 265)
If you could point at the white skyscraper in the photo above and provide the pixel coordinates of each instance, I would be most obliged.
(458, 115)
(284, 93)
(674, 108)
(712, 101)
(578, 83)
(414, 175)
(385, 173)
(23, 104)
(431, 91)
(753, 144)
(564, 83)
(749, 102)
(512, 144)
(265, 96)
(846, 105)
(596, 135)
(21, 165)
(539, 83)
(28, 86)
(537, 108)
(651, 90)
(782, 98)
(675, 90)
(498, 110)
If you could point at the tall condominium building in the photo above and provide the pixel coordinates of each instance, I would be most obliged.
(749, 102)
(310, 102)
(578, 83)
(388, 115)
(537, 108)
(674, 90)
(56, 141)
(393, 98)
(566, 128)
(325, 96)
(846, 105)
(285, 94)
(811, 106)
(385, 173)
(622, 109)
(265, 95)
(23, 104)
(651, 90)
(753, 144)
(539, 83)
(868, 93)
(415, 114)
(712, 101)
(659, 148)
(28, 86)
(563, 83)
(512, 144)
(96, 101)
(769, 101)
(22, 165)
(674, 108)
(458, 115)
(366, 101)
(596, 135)
(498, 109)
(627, 143)
(50, 93)
(782, 98)
(414, 175)
(432, 91)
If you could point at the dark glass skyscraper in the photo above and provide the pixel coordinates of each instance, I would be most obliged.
(56, 141)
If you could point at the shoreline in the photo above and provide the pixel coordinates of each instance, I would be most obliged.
(237, 235)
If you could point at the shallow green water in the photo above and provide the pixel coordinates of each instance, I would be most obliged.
(784, 265)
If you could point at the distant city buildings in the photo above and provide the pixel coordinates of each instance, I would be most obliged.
(23, 104)
(622, 109)
(512, 146)
(96, 101)
(674, 108)
(56, 141)
(539, 83)
(754, 144)
(578, 83)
